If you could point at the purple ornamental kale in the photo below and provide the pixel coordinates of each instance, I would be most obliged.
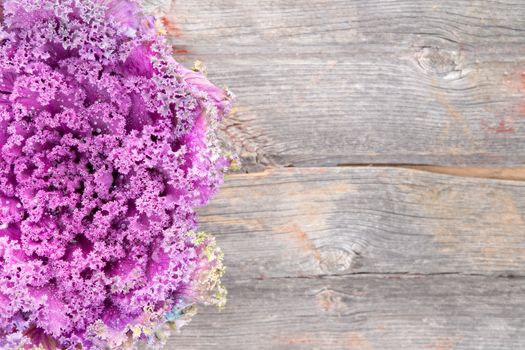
(107, 146)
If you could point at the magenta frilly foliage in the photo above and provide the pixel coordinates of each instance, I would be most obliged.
(107, 146)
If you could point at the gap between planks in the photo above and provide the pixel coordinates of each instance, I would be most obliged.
(499, 173)
(496, 173)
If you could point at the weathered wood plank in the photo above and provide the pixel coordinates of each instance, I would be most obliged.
(326, 82)
(366, 258)
(307, 222)
(364, 313)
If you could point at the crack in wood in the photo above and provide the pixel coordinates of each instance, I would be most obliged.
(399, 275)
(497, 173)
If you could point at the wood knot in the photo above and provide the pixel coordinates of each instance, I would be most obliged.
(438, 62)
(337, 260)
(332, 302)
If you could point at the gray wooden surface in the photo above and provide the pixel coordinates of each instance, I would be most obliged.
(424, 248)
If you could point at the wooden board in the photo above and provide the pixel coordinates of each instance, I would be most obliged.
(364, 313)
(366, 258)
(309, 222)
(327, 82)
(325, 257)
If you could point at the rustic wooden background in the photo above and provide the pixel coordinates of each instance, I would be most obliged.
(381, 202)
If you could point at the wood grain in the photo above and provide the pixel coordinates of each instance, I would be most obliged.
(366, 258)
(424, 254)
(308, 222)
(364, 313)
(327, 82)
